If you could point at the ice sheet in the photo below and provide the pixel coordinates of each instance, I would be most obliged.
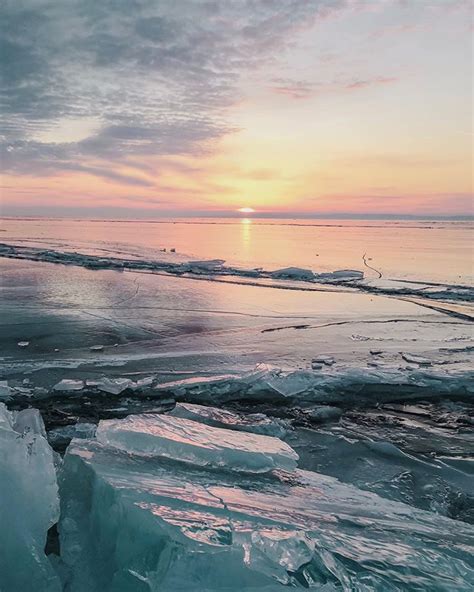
(355, 278)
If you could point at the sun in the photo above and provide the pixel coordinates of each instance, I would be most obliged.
(246, 210)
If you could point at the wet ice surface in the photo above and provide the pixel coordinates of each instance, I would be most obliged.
(258, 423)
(422, 460)
(182, 528)
(371, 390)
(216, 270)
(185, 440)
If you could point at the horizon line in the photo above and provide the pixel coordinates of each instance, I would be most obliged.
(125, 216)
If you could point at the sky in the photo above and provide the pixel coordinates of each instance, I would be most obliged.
(149, 108)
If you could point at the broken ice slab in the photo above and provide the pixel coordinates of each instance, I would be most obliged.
(69, 384)
(154, 435)
(96, 348)
(60, 437)
(414, 359)
(323, 413)
(293, 273)
(291, 384)
(326, 360)
(130, 523)
(381, 459)
(201, 385)
(340, 275)
(206, 266)
(144, 383)
(5, 390)
(28, 421)
(29, 503)
(222, 418)
(113, 386)
(306, 388)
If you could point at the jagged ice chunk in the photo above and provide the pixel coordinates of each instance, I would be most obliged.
(184, 440)
(29, 503)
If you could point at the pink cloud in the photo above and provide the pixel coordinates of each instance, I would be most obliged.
(301, 89)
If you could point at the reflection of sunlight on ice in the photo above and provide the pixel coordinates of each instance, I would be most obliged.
(246, 225)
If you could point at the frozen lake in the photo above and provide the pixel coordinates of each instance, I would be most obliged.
(367, 379)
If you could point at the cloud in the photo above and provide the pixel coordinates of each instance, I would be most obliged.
(380, 80)
(158, 77)
(304, 89)
(295, 89)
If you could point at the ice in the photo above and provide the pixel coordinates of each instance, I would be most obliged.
(29, 503)
(29, 420)
(201, 385)
(184, 440)
(60, 437)
(291, 384)
(400, 287)
(6, 418)
(323, 413)
(5, 390)
(207, 265)
(69, 384)
(113, 386)
(96, 348)
(326, 360)
(131, 523)
(413, 359)
(293, 273)
(416, 460)
(222, 418)
(144, 383)
(341, 274)
(303, 388)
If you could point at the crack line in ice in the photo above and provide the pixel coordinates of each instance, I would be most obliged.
(364, 259)
(365, 322)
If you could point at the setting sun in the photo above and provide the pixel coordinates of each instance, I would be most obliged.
(246, 210)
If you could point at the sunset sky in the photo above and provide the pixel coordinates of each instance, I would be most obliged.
(144, 108)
